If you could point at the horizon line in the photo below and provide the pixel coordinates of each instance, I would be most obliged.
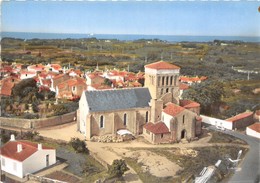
(131, 34)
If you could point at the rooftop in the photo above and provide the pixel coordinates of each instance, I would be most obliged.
(160, 65)
(173, 109)
(117, 99)
(28, 148)
(255, 127)
(239, 116)
(157, 128)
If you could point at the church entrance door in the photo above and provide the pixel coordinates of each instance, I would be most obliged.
(183, 134)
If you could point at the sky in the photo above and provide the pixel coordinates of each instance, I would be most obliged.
(197, 18)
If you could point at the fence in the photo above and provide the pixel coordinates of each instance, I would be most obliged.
(217, 122)
(37, 123)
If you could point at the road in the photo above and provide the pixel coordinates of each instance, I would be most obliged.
(249, 169)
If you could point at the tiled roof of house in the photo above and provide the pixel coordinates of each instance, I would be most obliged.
(255, 127)
(108, 100)
(183, 86)
(157, 128)
(239, 116)
(173, 109)
(161, 65)
(6, 88)
(28, 148)
(189, 104)
(192, 79)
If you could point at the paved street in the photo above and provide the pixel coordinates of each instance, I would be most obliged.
(250, 166)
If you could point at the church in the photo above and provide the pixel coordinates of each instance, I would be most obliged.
(154, 110)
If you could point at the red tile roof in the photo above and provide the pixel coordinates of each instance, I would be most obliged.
(189, 104)
(173, 109)
(161, 65)
(239, 116)
(28, 148)
(184, 86)
(6, 88)
(255, 127)
(157, 128)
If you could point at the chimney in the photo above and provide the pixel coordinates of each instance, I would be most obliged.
(19, 148)
(12, 137)
(39, 146)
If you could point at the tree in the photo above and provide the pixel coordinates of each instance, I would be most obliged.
(205, 93)
(118, 168)
(79, 146)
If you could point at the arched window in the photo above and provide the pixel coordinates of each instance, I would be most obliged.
(167, 80)
(162, 80)
(146, 116)
(183, 119)
(125, 119)
(167, 90)
(171, 80)
(101, 121)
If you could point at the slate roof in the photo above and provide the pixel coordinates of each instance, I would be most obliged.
(157, 128)
(28, 148)
(120, 99)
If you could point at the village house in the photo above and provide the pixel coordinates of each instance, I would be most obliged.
(19, 157)
(192, 80)
(241, 120)
(253, 130)
(153, 110)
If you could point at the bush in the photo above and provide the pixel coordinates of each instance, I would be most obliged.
(118, 168)
(29, 135)
(79, 146)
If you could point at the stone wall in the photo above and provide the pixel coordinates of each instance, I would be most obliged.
(37, 123)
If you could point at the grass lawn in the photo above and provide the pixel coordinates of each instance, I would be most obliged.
(218, 137)
(191, 166)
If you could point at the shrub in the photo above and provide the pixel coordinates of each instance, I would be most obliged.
(30, 135)
(118, 168)
(79, 146)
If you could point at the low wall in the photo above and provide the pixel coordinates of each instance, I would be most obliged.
(217, 122)
(37, 123)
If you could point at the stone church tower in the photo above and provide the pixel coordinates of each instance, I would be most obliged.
(162, 80)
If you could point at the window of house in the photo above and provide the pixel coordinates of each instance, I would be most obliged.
(73, 88)
(167, 90)
(125, 119)
(183, 119)
(101, 121)
(161, 91)
(161, 135)
(146, 116)
(167, 80)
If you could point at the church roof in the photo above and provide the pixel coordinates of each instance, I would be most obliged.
(157, 128)
(173, 109)
(120, 99)
(161, 65)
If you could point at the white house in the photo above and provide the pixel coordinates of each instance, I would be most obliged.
(19, 157)
(253, 130)
(217, 122)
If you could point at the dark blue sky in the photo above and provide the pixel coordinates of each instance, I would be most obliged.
(156, 18)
